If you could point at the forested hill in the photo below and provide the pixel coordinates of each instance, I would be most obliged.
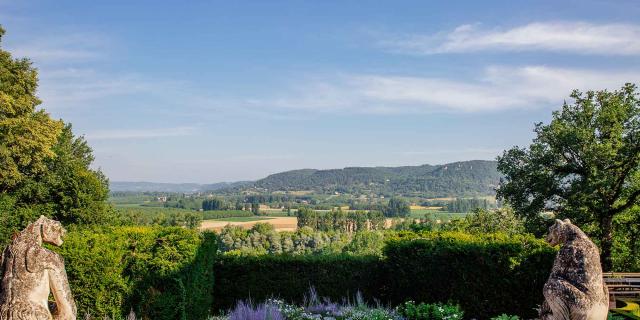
(477, 177)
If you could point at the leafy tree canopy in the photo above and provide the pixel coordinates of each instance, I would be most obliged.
(44, 168)
(584, 165)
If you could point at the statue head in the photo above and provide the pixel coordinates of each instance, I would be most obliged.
(51, 230)
(557, 232)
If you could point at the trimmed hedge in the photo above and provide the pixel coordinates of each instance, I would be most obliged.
(160, 273)
(290, 277)
(486, 274)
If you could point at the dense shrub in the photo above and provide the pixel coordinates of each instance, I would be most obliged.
(160, 273)
(290, 276)
(485, 274)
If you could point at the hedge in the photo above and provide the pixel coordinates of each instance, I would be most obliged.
(167, 273)
(486, 275)
(160, 273)
(290, 277)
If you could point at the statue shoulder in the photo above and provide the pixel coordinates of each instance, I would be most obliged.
(39, 258)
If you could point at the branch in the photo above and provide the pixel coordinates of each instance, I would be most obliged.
(630, 202)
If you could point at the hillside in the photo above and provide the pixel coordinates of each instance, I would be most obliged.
(467, 178)
(116, 186)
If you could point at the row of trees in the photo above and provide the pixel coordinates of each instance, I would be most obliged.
(467, 205)
(338, 220)
(263, 239)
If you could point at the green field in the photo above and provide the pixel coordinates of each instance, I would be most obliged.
(443, 215)
(242, 219)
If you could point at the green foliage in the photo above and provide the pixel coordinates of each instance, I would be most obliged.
(262, 239)
(158, 216)
(425, 311)
(584, 165)
(482, 273)
(27, 135)
(469, 178)
(397, 207)
(218, 214)
(488, 221)
(213, 204)
(467, 205)
(505, 316)
(290, 276)
(626, 241)
(162, 273)
(338, 220)
(44, 168)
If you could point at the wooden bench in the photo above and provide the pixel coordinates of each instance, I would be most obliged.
(624, 293)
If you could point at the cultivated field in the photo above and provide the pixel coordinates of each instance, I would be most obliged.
(280, 223)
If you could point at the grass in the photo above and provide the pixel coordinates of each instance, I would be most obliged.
(242, 219)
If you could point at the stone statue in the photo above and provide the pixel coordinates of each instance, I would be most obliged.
(30, 273)
(575, 289)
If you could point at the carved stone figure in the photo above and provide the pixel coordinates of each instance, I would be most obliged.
(30, 273)
(575, 289)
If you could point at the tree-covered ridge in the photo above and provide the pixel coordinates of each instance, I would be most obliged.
(477, 177)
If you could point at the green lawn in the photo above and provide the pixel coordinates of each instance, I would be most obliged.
(242, 219)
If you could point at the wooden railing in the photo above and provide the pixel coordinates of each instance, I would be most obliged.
(624, 293)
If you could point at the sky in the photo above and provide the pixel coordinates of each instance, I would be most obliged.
(211, 91)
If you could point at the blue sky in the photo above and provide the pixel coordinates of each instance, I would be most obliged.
(177, 91)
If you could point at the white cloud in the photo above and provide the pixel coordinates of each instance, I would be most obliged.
(117, 134)
(58, 48)
(574, 37)
(69, 87)
(499, 88)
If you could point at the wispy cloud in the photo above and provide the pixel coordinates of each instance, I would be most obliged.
(70, 87)
(62, 48)
(118, 134)
(499, 88)
(574, 37)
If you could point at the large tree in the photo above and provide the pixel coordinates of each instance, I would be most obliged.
(584, 165)
(44, 168)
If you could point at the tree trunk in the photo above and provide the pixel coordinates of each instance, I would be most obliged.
(606, 242)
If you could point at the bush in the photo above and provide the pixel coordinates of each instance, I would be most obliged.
(484, 274)
(289, 276)
(161, 273)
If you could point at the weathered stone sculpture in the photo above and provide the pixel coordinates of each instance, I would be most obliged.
(575, 289)
(30, 273)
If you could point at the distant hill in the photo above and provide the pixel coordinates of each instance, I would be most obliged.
(118, 186)
(467, 178)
